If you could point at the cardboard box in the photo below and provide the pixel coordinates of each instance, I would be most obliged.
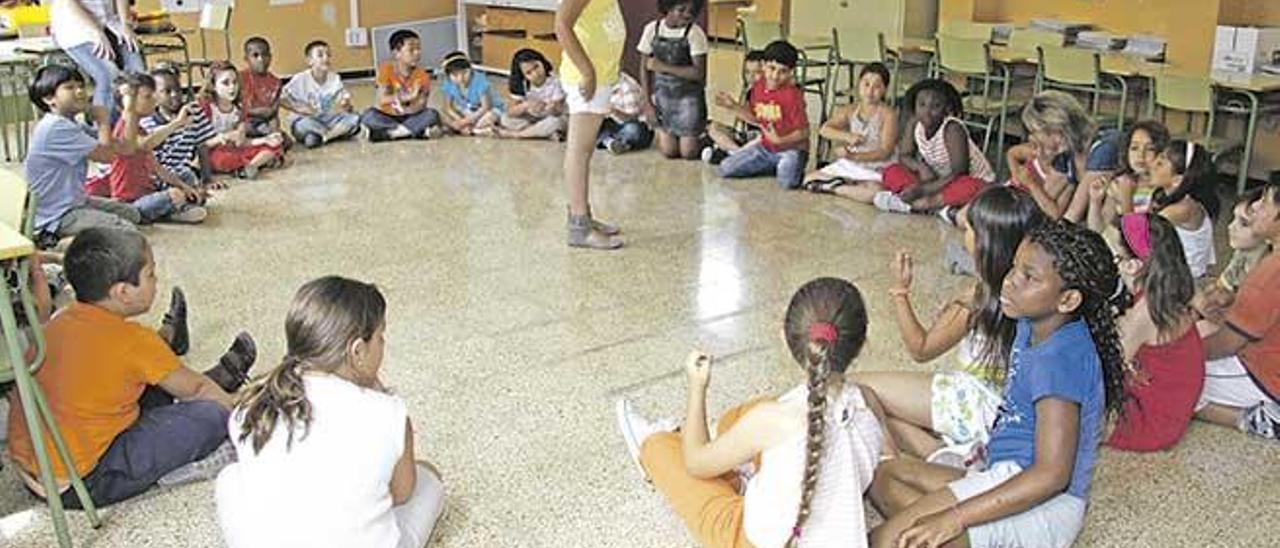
(1244, 49)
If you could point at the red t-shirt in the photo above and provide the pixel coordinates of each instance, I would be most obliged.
(260, 90)
(1256, 316)
(132, 176)
(781, 109)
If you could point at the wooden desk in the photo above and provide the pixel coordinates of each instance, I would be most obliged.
(14, 245)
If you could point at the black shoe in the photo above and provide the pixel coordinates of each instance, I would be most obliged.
(233, 367)
(311, 140)
(176, 320)
(378, 135)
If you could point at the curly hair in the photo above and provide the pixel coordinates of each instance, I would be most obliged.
(1085, 264)
(951, 97)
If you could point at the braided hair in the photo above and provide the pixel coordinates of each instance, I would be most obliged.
(326, 316)
(1085, 264)
(825, 327)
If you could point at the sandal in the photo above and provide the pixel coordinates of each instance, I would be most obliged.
(825, 186)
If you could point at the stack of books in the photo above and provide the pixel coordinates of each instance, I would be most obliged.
(1103, 41)
(1067, 29)
(1146, 47)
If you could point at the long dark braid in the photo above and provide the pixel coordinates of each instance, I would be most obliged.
(825, 326)
(1085, 264)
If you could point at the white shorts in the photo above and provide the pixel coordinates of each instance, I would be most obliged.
(599, 103)
(1227, 382)
(854, 171)
(962, 407)
(1053, 523)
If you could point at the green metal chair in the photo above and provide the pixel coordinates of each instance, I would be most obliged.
(1025, 42)
(756, 34)
(24, 352)
(985, 95)
(16, 112)
(966, 29)
(1080, 71)
(1195, 97)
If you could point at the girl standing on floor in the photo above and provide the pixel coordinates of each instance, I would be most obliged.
(946, 416)
(1131, 189)
(593, 35)
(537, 100)
(938, 164)
(1161, 343)
(1066, 375)
(674, 77)
(326, 453)
(230, 151)
(813, 450)
(866, 134)
(1182, 175)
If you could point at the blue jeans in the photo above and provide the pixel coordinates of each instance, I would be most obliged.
(635, 134)
(379, 123)
(324, 123)
(756, 160)
(154, 206)
(163, 439)
(103, 72)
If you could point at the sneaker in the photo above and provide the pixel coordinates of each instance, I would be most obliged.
(635, 429)
(948, 215)
(312, 140)
(190, 215)
(232, 370)
(204, 469)
(376, 135)
(617, 146)
(605, 228)
(1262, 420)
(890, 202)
(714, 155)
(400, 132)
(176, 321)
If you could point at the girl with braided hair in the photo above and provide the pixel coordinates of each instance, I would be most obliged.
(1066, 376)
(326, 454)
(789, 471)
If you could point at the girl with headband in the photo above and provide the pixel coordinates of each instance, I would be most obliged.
(1182, 175)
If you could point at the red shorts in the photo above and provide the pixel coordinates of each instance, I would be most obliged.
(957, 192)
(229, 159)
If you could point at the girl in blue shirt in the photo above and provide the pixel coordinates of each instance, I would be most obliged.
(1065, 379)
(471, 105)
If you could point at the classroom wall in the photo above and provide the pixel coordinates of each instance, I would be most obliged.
(290, 27)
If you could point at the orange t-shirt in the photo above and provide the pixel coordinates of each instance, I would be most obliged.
(403, 88)
(1256, 315)
(96, 368)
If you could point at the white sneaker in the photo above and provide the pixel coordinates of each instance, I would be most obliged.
(192, 215)
(400, 132)
(635, 429)
(203, 469)
(1262, 420)
(888, 201)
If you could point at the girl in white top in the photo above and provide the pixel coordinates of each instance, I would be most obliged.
(538, 108)
(1184, 195)
(945, 416)
(782, 472)
(865, 134)
(326, 454)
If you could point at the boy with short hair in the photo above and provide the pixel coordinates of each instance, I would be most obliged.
(320, 101)
(184, 152)
(99, 369)
(57, 163)
(261, 89)
(403, 89)
(1242, 372)
(777, 106)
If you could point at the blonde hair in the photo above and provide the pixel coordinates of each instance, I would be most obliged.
(1054, 110)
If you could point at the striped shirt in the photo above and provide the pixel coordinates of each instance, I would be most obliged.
(178, 151)
(933, 150)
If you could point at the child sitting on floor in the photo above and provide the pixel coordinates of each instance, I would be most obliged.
(184, 152)
(1247, 250)
(1242, 375)
(321, 102)
(1062, 154)
(325, 409)
(232, 150)
(111, 383)
(777, 106)
(403, 90)
(865, 134)
(1158, 334)
(135, 177)
(1182, 175)
(471, 106)
(625, 128)
(673, 77)
(813, 450)
(728, 139)
(57, 163)
(260, 91)
(1130, 189)
(938, 164)
(537, 100)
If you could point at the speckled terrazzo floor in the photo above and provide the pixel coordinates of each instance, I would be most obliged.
(510, 348)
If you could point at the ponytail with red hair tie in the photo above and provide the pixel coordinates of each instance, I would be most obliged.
(824, 332)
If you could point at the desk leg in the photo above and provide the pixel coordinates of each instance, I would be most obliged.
(1242, 179)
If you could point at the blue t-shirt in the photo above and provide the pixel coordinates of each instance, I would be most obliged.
(56, 167)
(1065, 366)
(477, 88)
(1103, 155)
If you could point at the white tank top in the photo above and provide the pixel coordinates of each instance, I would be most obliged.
(870, 130)
(849, 459)
(934, 152)
(1197, 245)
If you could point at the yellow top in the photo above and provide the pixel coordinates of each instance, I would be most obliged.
(603, 33)
(13, 244)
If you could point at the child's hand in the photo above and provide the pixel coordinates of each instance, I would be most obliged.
(127, 95)
(903, 273)
(932, 530)
(653, 64)
(723, 99)
(698, 368)
(587, 87)
(855, 139)
(192, 195)
(648, 111)
(1098, 190)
